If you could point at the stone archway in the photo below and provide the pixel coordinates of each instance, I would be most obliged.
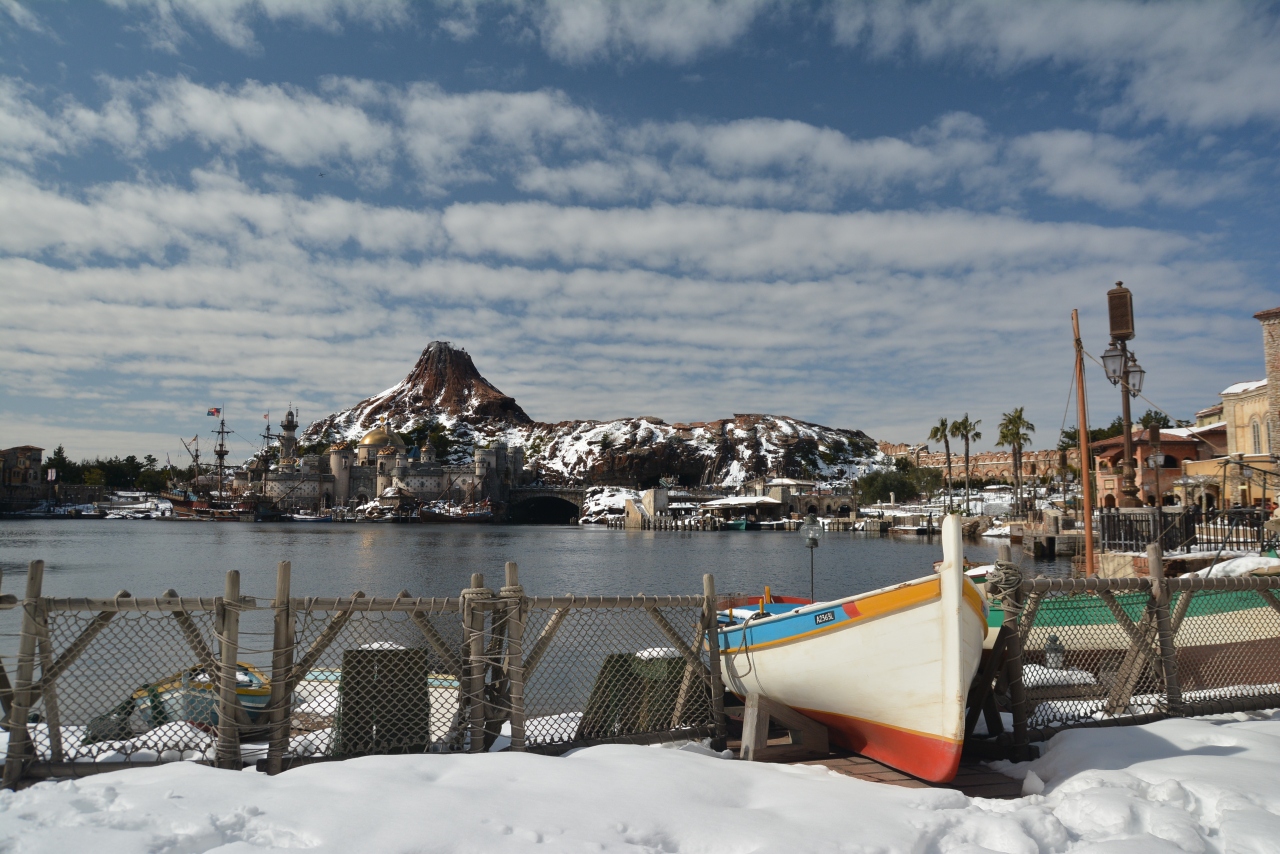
(543, 510)
(1109, 500)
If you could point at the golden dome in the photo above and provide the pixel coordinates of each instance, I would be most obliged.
(380, 437)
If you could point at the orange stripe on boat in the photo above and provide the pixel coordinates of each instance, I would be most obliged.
(974, 598)
(929, 757)
(888, 602)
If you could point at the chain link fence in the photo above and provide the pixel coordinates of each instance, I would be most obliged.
(99, 684)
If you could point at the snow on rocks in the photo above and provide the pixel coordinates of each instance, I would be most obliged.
(446, 393)
(1199, 785)
(601, 502)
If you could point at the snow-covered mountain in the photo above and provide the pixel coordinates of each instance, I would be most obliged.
(445, 393)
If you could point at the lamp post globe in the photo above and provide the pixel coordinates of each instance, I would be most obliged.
(1136, 375)
(1113, 363)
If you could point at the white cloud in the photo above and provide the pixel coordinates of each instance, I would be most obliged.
(732, 242)
(670, 30)
(219, 217)
(580, 31)
(23, 17)
(680, 311)
(1108, 171)
(1198, 65)
(546, 145)
(232, 21)
(462, 138)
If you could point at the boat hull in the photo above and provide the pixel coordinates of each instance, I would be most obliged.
(888, 671)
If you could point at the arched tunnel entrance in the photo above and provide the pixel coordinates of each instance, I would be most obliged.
(544, 510)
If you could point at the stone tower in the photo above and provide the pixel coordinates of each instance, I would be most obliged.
(1271, 353)
(288, 441)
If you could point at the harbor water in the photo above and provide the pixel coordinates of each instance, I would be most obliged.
(102, 557)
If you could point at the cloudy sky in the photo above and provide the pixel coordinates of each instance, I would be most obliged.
(865, 215)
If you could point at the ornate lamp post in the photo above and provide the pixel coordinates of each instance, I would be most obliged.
(1122, 369)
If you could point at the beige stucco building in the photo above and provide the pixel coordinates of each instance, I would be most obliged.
(1244, 409)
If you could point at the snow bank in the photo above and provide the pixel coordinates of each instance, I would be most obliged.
(1209, 785)
(1241, 566)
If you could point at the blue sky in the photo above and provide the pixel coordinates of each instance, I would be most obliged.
(865, 215)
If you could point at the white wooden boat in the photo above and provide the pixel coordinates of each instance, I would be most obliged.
(886, 671)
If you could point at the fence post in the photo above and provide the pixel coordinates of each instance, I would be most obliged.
(21, 750)
(229, 634)
(1164, 630)
(711, 622)
(515, 616)
(474, 664)
(281, 669)
(1010, 585)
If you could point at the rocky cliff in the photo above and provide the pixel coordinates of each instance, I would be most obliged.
(445, 394)
(444, 386)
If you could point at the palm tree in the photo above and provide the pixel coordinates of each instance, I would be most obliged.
(1015, 431)
(967, 430)
(940, 433)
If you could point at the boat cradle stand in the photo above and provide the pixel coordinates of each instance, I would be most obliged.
(807, 737)
(807, 743)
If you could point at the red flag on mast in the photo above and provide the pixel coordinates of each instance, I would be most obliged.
(215, 411)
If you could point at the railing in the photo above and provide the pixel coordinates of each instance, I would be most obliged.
(101, 684)
(1134, 531)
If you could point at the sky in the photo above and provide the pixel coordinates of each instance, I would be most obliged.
(864, 215)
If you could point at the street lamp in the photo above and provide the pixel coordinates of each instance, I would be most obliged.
(1122, 369)
(811, 530)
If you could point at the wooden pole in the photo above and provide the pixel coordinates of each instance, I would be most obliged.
(514, 594)
(713, 660)
(228, 702)
(473, 620)
(1164, 628)
(281, 670)
(1082, 420)
(20, 747)
(1011, 588)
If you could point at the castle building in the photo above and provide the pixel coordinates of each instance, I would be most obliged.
(379, 466)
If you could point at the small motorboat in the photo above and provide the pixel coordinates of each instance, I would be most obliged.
(189, 696)
(887, 671)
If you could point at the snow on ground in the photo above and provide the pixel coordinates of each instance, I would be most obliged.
(1205, 785)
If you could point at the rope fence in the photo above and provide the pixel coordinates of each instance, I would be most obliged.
(233, 681)
(230, 681)
(1114, 652)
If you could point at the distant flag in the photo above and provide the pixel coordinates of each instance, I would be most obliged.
(215, 411)
(267, 416)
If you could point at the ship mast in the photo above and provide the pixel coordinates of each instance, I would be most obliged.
(195, 456)
(220, 451)
(267, 436)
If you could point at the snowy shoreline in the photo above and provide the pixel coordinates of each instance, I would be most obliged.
(1195, 785)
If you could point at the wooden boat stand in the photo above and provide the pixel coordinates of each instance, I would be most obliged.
(807, 736)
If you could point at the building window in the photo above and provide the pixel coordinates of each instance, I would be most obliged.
(1257, 436)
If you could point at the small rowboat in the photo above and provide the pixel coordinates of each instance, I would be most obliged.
(887, 671)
